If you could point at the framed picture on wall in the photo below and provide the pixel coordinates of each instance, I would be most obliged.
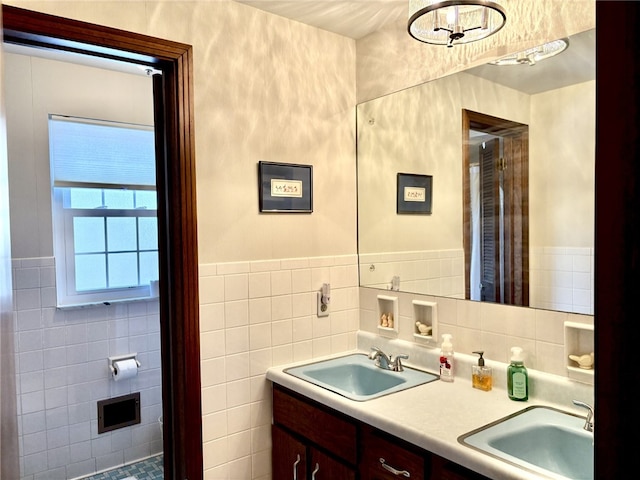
(414, 193)
(285, 187)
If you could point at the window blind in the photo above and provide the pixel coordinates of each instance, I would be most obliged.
(90, 152)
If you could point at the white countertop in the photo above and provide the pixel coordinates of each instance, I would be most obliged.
(434, 415)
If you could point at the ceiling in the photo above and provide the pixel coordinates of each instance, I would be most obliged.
(358, 18)
(350, 18)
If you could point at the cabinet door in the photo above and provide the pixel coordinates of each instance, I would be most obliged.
(388, 458)
(443, 469)
(324, 467)
(288, 456)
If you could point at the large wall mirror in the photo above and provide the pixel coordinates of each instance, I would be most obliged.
(510, 152)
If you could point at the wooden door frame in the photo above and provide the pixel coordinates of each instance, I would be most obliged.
(617, 237)
(176, 184)
(499, 127)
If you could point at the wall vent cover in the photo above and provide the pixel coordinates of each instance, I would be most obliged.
(118, 412)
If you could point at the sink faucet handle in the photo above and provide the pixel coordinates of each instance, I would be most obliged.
(588, 424)
(396, 363)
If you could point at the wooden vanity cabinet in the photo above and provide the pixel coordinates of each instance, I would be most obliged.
(313, 442)
(443, 469)
(289, 455)
(323, 439)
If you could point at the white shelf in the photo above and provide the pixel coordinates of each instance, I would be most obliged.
(578, 341)
(425, 313)
(388, 308)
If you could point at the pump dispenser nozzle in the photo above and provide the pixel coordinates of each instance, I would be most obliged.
(480, 360)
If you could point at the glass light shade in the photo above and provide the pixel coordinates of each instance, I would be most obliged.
(533, 55)
(449, 22)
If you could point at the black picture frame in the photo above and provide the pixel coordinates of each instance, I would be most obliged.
(414, 194)
(285, 187)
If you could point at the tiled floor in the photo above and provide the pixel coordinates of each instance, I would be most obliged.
(148, 469)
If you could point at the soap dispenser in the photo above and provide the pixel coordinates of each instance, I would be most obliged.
(517, 377)
(446, 359)
(481, 376)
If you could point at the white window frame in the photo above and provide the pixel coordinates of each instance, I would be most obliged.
(65, 255)
(64, 248)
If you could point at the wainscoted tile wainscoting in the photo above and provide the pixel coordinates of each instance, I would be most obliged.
(62, 372)
(254, 315)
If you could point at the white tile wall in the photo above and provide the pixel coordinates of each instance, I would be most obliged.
(484, 326)
(254, 315)
(62, 371)
(561, 278)
(439, 272)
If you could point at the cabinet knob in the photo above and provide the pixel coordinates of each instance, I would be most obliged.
(395, 471)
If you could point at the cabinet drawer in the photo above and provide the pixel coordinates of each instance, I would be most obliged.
(322, 426)
(387, 458)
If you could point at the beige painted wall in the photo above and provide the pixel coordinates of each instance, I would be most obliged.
(40, 87)
(419, 130)
(562, 167)
(267, 89)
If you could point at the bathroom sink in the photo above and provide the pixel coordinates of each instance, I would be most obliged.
(544, 440)
(357, 377)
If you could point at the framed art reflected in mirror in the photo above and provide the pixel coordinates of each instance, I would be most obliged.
(414, 194)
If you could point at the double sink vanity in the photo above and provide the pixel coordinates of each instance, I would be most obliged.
(348, 417)
(384, 414)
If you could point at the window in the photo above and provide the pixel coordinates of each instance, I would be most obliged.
(104, 210)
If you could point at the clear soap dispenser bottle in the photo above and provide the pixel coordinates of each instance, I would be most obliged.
(481, 376)
(446, 359)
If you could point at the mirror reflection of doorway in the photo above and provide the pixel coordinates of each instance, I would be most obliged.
(496, 209)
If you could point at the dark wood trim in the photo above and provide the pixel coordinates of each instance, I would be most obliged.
(466, 203)
(517, 252)
(617, 237)
(179, 304)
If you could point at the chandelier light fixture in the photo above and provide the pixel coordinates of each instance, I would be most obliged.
(450, 22)
(533, 55)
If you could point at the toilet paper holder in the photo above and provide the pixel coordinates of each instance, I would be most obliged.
(120, 358)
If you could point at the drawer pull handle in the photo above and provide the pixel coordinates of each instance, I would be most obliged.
(389, 468)
(313, 474)
(295, 468)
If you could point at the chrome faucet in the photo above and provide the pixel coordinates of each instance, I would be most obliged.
(385, 361)
(588, 424)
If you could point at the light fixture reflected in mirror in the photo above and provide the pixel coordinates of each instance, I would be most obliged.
(449, 22)
(533, 55)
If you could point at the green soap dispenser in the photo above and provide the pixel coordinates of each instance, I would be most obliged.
(517, 377)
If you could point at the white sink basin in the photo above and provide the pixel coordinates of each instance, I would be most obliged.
(540, 439)
(356, 377)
